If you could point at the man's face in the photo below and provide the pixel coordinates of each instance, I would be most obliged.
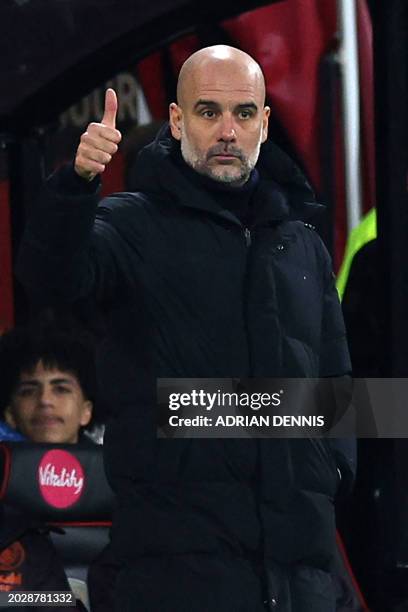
(221, 121)
(48, 406)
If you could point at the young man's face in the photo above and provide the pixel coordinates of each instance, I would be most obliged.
(48, 406)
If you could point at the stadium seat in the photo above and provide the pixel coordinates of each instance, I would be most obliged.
(63, 487)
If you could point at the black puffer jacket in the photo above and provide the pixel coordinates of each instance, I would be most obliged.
(189, 292)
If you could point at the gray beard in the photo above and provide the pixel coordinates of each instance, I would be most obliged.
(226, 179)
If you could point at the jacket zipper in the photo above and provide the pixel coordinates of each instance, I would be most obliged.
(247, 237)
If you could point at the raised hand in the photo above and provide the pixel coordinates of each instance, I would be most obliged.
(100, 141)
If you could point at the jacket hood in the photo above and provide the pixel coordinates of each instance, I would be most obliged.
(283, 191)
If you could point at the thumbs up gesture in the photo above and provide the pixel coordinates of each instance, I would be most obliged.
(100, 141)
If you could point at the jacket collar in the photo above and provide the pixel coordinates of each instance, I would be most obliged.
(283, 192)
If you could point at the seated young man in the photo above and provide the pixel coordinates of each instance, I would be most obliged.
(46, 383)
(46, 386)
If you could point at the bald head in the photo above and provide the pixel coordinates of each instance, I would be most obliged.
(206, 63)
(220, 117)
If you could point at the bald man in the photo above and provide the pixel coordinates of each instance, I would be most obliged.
(206, 270)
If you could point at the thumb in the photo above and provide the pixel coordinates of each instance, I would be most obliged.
(111, 107)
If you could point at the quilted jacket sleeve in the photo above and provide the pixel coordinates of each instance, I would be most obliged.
(334, 354)
(66, 253)
(335, 363)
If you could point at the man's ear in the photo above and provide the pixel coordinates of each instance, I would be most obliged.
(86, 413)
(9, 417)
(265, 121)
(175, 120)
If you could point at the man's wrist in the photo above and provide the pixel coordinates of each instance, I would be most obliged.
(86, 176)
(68, 181)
